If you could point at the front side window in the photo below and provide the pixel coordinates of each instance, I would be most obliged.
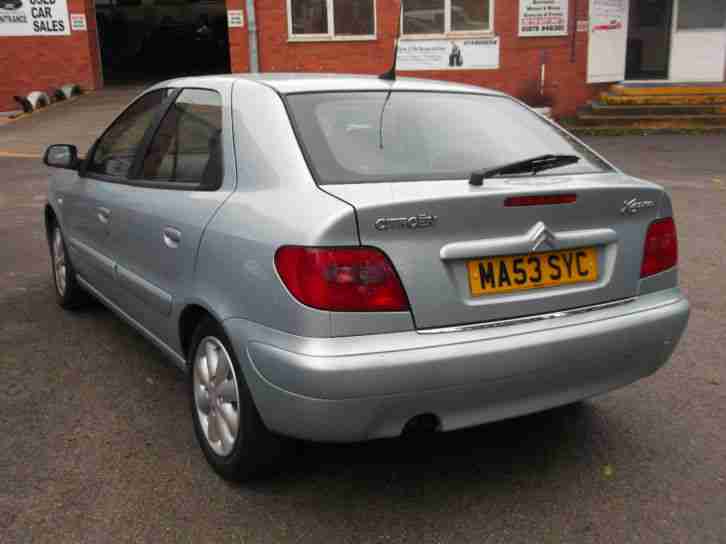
(364, 137)
(445, 16)
(331, 18)
(187, 148)
(115, 151)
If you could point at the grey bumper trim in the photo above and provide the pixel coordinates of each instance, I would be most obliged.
(527, 319)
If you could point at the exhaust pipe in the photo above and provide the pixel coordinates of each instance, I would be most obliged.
(421, 424)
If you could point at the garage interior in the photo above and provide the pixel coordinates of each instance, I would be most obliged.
(152, 40)
(649, 37)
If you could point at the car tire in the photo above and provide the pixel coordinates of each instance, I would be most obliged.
(69, 293)
(228, 426)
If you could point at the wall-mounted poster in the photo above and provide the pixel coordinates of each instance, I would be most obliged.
(473, 54)
(607, 15)
(34, 18)
(78, 22)
(543, 17)
(235, 18)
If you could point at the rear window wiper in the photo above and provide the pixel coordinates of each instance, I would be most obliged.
(534, 165)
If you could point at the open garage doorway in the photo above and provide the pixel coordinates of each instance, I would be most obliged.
(649, 39)
(144, 41)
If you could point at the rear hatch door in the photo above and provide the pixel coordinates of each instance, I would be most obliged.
(403, 159)
(432, 231)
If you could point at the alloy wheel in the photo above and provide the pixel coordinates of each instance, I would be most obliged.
(216, 395)
(59, 262)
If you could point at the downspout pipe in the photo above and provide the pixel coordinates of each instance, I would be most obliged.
(252, 36)
(573, 29)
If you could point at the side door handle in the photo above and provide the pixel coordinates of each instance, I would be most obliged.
(172, 237)
(104, 214)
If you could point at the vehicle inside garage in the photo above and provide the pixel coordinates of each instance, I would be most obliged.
(151, 40)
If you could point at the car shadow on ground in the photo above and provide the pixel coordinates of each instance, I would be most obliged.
(522, 450)
(525, 449)
(522, 447)
(116, 417)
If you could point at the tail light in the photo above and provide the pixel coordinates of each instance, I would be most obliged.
(661, 247)
(341, 279)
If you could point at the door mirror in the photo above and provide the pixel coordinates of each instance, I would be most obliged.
(62, 156)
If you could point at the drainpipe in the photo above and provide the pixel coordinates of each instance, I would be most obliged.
(252, 36)
(573, 29)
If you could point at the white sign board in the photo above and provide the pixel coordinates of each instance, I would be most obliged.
(34, 18)
(608, 15)
(474, 54)
(235, 18)
(543, 17)
(78, 22)
(608, 40)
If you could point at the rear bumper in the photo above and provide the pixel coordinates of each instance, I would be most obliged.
(359, 388)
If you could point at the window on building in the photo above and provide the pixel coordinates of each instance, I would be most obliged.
(700, 14)
(446, 16)
(187, 146)
(331, 18)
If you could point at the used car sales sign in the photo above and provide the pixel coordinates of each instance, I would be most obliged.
(543, 17)
(34, 18)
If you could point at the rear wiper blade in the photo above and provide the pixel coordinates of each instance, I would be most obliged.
(534, 165)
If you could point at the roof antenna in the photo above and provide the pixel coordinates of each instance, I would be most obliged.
(390, 75)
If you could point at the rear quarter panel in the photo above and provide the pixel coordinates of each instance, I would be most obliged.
(276, 203)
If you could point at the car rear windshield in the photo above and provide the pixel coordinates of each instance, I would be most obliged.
(364, 137)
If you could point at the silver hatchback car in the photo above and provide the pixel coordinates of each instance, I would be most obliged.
(341, 258)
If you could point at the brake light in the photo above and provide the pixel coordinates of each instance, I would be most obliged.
(341, 279)
(661, 247)
(540, 200)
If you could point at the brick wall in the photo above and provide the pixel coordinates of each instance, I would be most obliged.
(239, 41)
(519, 63)
(31, 63)
(38, 63)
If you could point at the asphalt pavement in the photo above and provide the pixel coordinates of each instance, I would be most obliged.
(96, 439)
(78, 121)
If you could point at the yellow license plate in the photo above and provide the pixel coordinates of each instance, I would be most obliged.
(495, 275)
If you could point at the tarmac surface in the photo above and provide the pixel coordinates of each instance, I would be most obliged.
(96, 439)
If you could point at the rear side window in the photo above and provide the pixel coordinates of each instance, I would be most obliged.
(362, 137)
(115, 150)
(187, 147)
